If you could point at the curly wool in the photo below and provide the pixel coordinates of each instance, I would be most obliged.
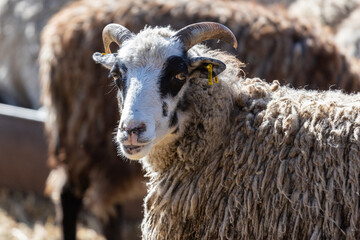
(257, 161)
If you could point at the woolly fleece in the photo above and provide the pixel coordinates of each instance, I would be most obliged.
(257, 161)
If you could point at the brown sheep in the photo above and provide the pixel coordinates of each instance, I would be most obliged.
(327, 12)
(82, 113)
(81, 120)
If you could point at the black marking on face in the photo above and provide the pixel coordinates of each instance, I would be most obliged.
(173, 120)
(169, 84)
(165, 109)
(118, 73)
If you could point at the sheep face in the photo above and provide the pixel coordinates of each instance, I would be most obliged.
(152, 72)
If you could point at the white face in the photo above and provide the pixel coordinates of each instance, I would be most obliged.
(152, 72)
(151, 75)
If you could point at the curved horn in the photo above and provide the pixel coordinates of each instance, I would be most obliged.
(199, 32)
(114, 33)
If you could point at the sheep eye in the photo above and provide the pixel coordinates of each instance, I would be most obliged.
(115, 75)
(180, 76)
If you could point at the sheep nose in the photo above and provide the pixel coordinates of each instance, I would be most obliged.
(133, 128)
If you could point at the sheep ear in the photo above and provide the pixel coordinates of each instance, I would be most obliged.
(107, 60)
(201, 63)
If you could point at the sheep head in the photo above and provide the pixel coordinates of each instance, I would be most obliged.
(152, 71)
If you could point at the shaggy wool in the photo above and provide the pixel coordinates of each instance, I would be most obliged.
(257, 161)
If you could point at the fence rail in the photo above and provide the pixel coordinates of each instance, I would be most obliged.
(23, 149)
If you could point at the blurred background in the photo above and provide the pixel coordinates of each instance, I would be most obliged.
(58, 109)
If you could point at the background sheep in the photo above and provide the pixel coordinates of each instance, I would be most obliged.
(285, 42)
(81, 121)
(22, 20)
(340, 16)
(348, 34)
(77, 94)
(327, 12)
(243, 159)
(20, 24)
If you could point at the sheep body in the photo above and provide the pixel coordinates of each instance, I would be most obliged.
(257, 161)
(81, 118)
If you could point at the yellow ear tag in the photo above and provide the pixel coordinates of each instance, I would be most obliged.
(209, 67)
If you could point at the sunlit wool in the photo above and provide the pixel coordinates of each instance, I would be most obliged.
(256, 161)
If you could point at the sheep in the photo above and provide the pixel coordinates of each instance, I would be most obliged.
(86, 169)
(69, 81)
(348, 34)
(327, 12)
(20, 24)
(340, 16)
(241, 159)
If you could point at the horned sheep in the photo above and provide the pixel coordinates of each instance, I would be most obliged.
(81, 151)
(242, 159)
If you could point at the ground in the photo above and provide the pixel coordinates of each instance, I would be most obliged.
(29, 216)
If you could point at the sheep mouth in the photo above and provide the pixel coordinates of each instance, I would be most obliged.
(133, 149)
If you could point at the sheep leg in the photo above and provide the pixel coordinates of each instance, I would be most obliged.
(112, 228)
(71, 206)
